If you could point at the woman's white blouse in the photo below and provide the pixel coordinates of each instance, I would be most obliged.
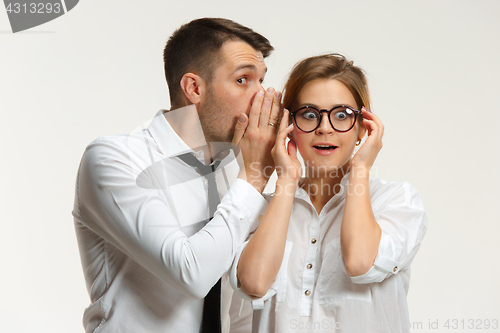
(312, 291)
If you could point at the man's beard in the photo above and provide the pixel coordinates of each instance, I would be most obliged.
(211, 118)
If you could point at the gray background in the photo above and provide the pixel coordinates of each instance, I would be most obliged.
(433, 69)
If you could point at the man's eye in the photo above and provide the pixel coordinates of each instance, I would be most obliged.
(242, 80)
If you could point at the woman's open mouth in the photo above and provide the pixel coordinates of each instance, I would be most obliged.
(324, 149)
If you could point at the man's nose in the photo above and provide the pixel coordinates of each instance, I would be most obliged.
(260, 87)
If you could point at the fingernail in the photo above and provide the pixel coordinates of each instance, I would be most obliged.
(261, 93)
(270, 90)
(242, 119)
(277, 95)
(366, 109)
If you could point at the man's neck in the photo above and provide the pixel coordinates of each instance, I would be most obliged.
(186, 123)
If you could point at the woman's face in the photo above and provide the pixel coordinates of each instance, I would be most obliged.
(324, 149)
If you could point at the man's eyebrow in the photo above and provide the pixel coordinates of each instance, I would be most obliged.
(248, 66)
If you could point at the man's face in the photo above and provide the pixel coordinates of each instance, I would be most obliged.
(231, 91)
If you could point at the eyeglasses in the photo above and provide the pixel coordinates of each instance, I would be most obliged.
(342, 118)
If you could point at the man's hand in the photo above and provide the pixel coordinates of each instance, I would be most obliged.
(256, 136)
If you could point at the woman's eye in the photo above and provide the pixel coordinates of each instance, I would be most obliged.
(242, 80)
(341, 115)
(309, 115)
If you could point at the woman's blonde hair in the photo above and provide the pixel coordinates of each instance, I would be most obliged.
(327, 66)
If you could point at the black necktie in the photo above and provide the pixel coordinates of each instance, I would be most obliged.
(211, 321)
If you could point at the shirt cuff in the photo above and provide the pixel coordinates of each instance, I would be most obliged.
(278, 287)
(385, 264)
(257, 303)
(246, 198)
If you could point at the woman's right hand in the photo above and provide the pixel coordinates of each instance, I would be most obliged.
(368, 152)
(261, 259)
(286, 162)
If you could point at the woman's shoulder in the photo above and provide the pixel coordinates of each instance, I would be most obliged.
(387, 184)
(395, 192)
(299, 194)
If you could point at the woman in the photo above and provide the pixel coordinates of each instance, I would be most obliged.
(333, 251)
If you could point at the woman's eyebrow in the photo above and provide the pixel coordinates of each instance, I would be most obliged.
(309, 104)
(333, 106)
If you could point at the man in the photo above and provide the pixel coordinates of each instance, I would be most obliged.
(153, 237)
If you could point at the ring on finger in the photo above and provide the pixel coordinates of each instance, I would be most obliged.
(271, 124)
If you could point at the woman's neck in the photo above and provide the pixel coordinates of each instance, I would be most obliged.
(322, 187)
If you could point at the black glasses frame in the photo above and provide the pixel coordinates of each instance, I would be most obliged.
(328, 112)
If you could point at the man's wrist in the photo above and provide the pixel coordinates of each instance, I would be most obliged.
(242, 175)
(259, 183)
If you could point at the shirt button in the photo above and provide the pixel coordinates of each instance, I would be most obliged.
(395, 269)
(309, 266)
(313, 240)
(307, 293)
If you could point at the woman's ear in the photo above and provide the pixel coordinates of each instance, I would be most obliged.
(193, 87)
(291, 135)
(361, 130)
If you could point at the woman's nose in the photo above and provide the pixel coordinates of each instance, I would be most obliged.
(324, 127)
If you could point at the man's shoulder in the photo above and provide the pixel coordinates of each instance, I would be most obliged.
(120, 146)
(109, 140)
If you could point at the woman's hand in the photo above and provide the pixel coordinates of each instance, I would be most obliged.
(366, 155)
(285, 160)
(360, 233)
(261, 259)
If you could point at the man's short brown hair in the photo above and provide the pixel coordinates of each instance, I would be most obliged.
(194, 47)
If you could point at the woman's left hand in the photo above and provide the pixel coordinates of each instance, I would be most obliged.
(366, 155)
(285, 158)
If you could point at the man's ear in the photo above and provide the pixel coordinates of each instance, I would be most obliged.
(193, 87)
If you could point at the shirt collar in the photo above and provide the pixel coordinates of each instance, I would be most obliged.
(169, 143)
(300, 193)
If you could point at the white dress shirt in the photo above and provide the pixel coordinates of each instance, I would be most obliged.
(312, 291)
(148, 254)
